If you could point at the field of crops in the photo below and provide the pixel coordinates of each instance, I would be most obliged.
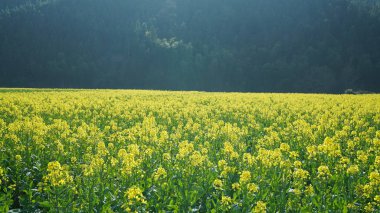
(124, 150)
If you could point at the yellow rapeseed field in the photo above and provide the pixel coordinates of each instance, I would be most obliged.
(157, 151)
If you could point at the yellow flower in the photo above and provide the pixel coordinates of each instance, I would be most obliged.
(323, 172)
(245, 177)
(204, 151)
(353, 169)
(185, 148)
(111, 146)
(260, 207)
(374, 177)
(330, 147)
(309, 190)
(362, 156)
(73, 160)
(114, 161)
(18, 158)
(377, 199)
(300, 174)
(196, 159)
(160, 173)
(377, 162)
(229, 150)
(235, 186)
(369, 207)
(134, 195)
(226, 201)
(248, 158)
(129, 164)
(252, 188)
(57, 175)
(351, 206)
(297, 164)
(218, 184)
(166, 156)
(284, 147)
(222, 164)
(121, 153)
(295, 191)
(293, 154)
(133, 149)
(343, 162)
(367, 190)
(311, 151)
(226, 170)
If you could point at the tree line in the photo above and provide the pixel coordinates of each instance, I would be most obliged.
(214, 45)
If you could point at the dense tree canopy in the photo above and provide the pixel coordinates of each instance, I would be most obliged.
(214, 45)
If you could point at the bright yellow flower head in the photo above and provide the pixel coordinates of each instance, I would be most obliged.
(362, 156)
(353, 169)
(284, 147)
(57, 175)
(297, 164)
(377, 199)
(134, 194)
(18, 158)
(196, 158)
(235, 186)
(309, 190)
(249, 159)
(374, 177)
(102, 150)
(166, 156)
(324, 172)
(218, 184)
(245, 177)
(300, 174)
(252, 188)
(260, 207)
(185, 148)
(160, 173)
(226, 201)
(222, 163)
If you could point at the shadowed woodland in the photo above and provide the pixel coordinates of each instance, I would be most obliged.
(215, 45)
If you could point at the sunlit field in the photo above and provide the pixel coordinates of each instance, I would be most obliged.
(125, 150)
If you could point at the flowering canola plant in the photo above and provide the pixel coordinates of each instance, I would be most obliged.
(156, 151)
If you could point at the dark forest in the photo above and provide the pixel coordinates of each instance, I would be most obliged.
(323, 46)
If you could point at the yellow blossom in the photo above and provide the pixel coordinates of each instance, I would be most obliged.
(245, 177)
(309, 190)
(252, 188)
(260, 207)
(135, 196)
(236, 186)
(300, 174)
(324, 172)
(353, 169)
(57, 175)
(160, 173)
(166, 156)
(226, 201)
(18, 158)
(284, 147)
(297, 164)
(218, 184)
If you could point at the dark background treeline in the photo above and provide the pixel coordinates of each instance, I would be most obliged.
(212, 45)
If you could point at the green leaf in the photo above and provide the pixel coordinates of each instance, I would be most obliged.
(45, 204)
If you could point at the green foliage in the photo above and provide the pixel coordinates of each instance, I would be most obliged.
(255, 45)
(23, 7)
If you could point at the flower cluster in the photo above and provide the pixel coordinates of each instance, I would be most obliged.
(159, 151)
